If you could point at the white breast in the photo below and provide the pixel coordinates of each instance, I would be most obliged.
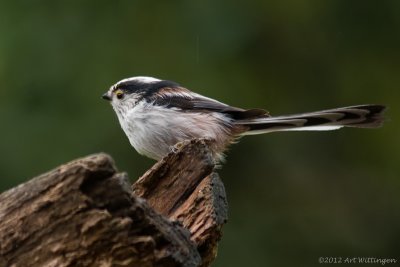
(153, 130)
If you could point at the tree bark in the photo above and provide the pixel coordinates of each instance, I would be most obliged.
(189, 192)
(84, 213)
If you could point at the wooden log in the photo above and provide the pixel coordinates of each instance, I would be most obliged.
(84, 214)
(190, 192)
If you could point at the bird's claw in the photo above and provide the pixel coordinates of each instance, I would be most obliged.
(177, 146)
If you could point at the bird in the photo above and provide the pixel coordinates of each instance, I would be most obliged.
(157, 115)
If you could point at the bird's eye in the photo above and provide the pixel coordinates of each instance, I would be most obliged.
(119, 94)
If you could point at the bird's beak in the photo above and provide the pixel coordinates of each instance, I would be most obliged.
(106, 96)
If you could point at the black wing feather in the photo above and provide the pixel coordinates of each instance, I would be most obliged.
(203, 104)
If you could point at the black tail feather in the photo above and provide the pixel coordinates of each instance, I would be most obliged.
(362, 116)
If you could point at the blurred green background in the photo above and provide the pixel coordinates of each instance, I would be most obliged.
(293, 196)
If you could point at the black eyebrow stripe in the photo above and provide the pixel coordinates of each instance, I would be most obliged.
(148, 89)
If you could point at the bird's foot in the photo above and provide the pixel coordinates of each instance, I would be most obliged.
(177, 146)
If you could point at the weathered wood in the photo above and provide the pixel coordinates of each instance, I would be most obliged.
(83, 214)
(184, 187)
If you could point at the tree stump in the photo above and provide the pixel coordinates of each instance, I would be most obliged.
(85, 213)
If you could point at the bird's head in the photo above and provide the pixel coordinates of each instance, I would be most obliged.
(128, 92)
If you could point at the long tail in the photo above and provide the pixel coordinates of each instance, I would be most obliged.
(362, 116)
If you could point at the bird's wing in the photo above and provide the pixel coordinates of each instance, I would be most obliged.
(186, 100)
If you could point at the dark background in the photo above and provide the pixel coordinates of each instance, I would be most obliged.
(293, 196)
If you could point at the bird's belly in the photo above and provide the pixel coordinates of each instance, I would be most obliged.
(152, 145)
(153, 132)
(154, 138)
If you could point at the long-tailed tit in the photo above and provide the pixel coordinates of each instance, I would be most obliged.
(157, 114)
